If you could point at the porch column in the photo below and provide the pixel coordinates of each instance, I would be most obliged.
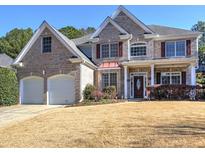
(193, 75)
(152, 74)
(125, 82)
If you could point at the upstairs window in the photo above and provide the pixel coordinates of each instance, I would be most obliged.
(109, 50)
(138, 49)
(47, 44)
(105, 50)
(175, 48)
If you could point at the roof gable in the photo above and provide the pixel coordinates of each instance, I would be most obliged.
(70, 45)
(132, 17)
(105, 23)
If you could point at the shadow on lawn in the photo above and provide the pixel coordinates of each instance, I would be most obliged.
(189, 128)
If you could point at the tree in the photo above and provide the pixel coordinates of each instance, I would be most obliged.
(71, 32)
(88, 30)
(200, 26)
(14, 41)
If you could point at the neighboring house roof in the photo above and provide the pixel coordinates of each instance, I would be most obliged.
(82, 40)
(132, 17)
(165, 30)
(5, 60)
(68, 43)
(105, 23)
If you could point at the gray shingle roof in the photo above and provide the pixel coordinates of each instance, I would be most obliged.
(5, 60)
(158, 29)
(82, 40)
(165, 30)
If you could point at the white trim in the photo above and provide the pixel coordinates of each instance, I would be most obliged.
(104, 24)
(132, 75)
(175, 48)
(193, 75)
(170, 76)
(125, 82)
(160, 61)
(21, 92)
(175, 36)
(81, 77)
(152, 74)
(110, 68)
(132, 17)
(128, 44)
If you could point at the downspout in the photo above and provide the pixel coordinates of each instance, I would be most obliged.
(128, 44)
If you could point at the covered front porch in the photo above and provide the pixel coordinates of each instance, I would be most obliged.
(139, 76)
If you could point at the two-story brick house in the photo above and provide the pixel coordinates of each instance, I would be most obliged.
(123, 52)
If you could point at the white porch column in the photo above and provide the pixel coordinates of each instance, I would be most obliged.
(193, 75)
(152, 74)
(128, 53)
(125, 82)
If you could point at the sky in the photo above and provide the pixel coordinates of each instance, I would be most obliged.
(84, 16)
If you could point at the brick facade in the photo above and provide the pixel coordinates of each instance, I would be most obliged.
(46, 65)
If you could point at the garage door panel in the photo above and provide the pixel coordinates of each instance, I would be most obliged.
(61, 90)
(32, 91)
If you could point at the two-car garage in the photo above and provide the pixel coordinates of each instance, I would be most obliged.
(60, 90)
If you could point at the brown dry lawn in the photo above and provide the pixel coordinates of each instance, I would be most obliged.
(146, 124)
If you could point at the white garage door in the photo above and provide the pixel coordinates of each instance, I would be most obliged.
(32, 90)
(61, 90)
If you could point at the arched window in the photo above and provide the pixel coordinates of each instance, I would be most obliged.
(138, 49)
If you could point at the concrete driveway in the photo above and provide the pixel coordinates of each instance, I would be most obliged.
(17, 113)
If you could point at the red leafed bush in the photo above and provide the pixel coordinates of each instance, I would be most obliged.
(97, 95)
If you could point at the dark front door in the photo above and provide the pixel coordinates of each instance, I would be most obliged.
(138, 86)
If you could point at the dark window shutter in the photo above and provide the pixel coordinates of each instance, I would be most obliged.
(120, 49)
(162, 49)
(158, 78)
(188, 47)
(98, 51)
(183, 77)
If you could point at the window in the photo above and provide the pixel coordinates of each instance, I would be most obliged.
(105, 80)
(105, 50)
(171, 78)
(170, 49)
(114, 50)
(180, 48)
(138, 49)
(109, 50)
(109, 79)
(175, 48)
(46, 44)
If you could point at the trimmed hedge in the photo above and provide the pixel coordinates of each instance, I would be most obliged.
(87, 92)
(8, 87)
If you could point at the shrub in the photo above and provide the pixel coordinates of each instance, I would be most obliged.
(97, 95)
(87, 92)
(110, 92)
(172, 92)
(8, 87)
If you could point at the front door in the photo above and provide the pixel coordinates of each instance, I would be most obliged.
(138, 86)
